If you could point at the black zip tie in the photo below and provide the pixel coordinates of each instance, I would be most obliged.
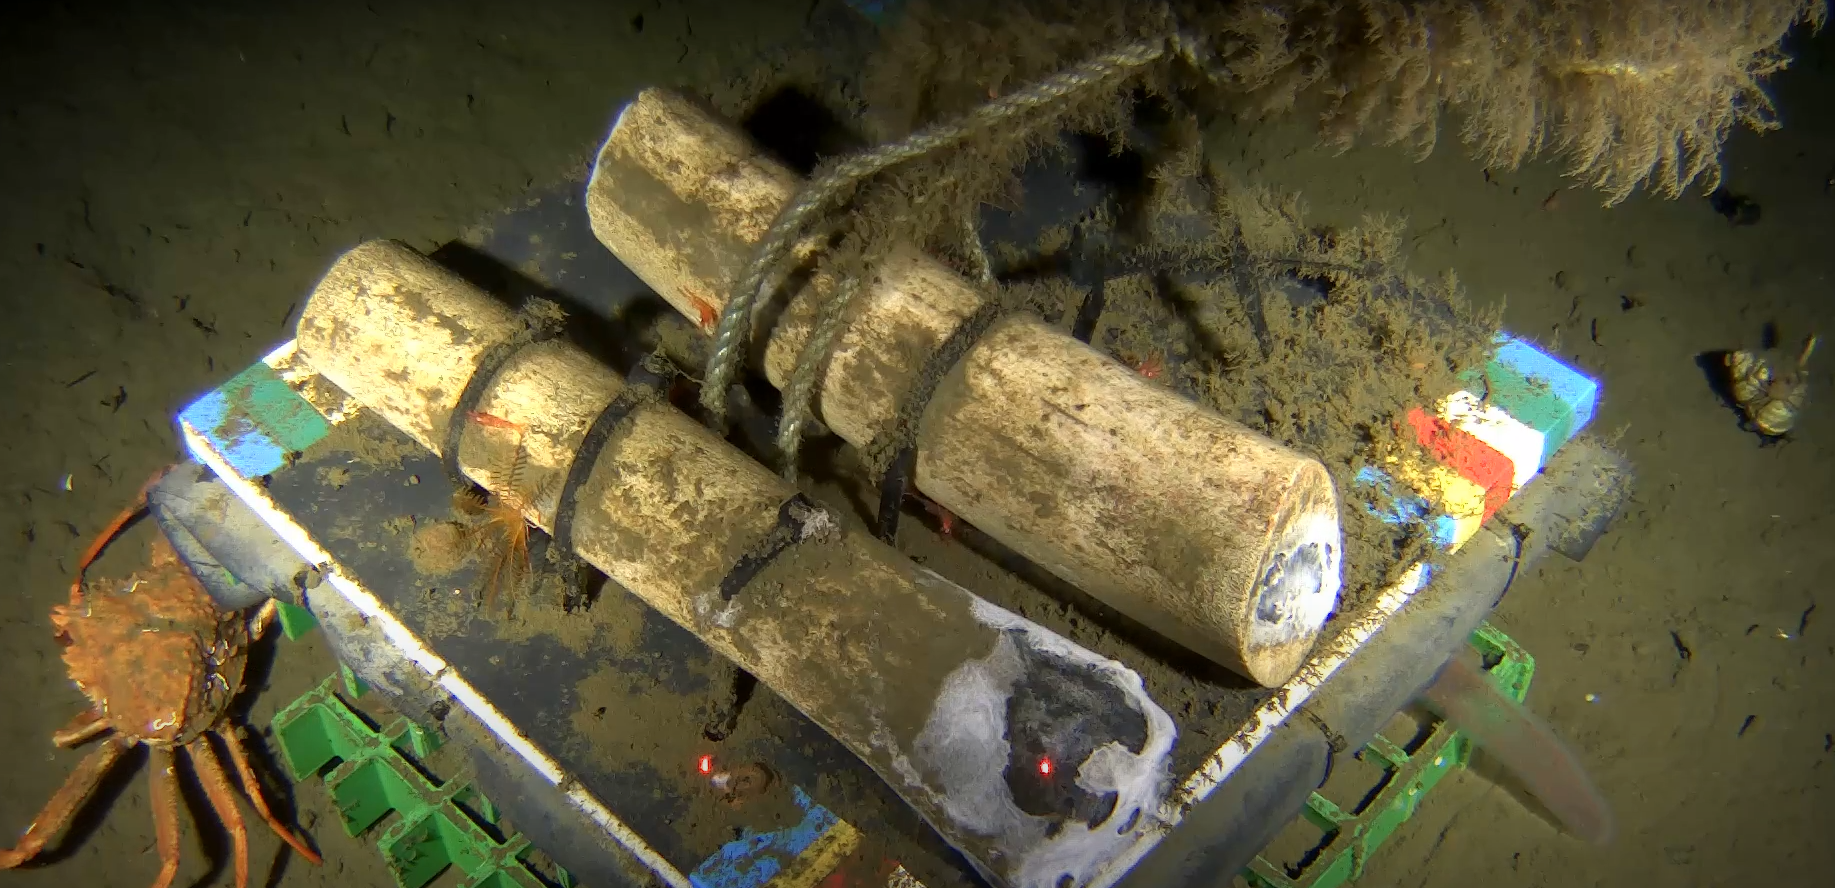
(647, 383)
(1095, 298)
(798, 519)
(893, 484)
(1335, 743)
(897, 447)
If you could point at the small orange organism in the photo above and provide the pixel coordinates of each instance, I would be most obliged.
(946, 520)
(1152, 367)
(500, 526)
(706, 315)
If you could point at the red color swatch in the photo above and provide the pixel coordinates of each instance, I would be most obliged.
(1474, 460)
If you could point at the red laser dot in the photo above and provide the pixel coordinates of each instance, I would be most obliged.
(706, 764)
(1045, 767)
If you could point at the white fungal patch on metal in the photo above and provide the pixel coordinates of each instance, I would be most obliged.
(964, 749)
(1261, 724)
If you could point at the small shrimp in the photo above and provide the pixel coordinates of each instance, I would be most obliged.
(493, 421)
(709, 317)
(946, 520)
(1152, 367)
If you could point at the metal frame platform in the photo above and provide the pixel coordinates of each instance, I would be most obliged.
(277, 437)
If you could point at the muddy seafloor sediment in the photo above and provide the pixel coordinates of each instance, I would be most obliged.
(207, 171)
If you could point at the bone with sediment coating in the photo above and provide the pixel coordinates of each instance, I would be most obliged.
(1205, 531)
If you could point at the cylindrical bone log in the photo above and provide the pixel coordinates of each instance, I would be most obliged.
(947, 697)
(1200, 528)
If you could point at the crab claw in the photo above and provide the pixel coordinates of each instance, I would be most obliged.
(109, 533)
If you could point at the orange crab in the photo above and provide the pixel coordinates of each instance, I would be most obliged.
(160, 664)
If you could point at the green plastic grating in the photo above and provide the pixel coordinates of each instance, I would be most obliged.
(372, 772)
(295, 621)
(1347, 838)
(375, 771)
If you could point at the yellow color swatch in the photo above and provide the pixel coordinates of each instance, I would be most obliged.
(1447, 491)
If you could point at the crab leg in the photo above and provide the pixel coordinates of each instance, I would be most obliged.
(63, 804)
(163, 776)
(108, 533)
(263, 620)
(251, 787)
(222, 800)
(80, 730)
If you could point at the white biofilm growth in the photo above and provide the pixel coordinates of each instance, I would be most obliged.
(964, 752)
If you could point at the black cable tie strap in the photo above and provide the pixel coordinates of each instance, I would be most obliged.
(1095, 297)
(893, 484)
(1089, 311)
(1335, 740)
(1335, 743)
(645, 384)
(896, 449)
(1520, 535)
(541, 321)
(798, 519)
